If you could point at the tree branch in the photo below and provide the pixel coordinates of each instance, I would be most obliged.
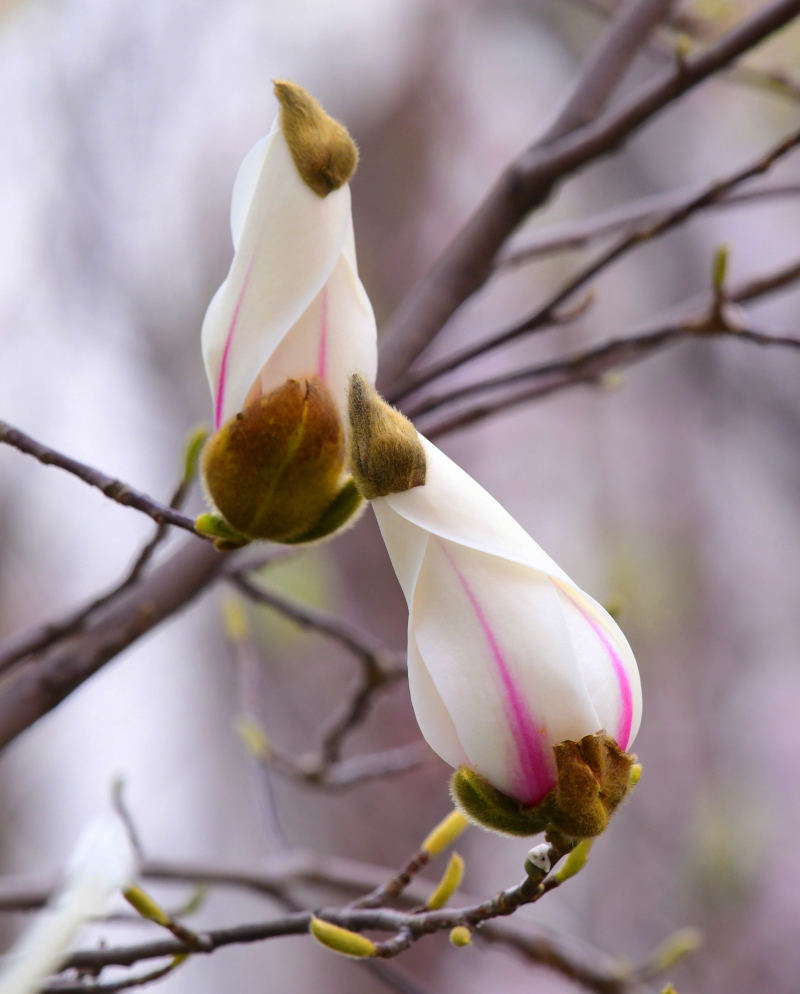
(527, 183)
(114, 489)
(580, 234)
(588, 367)
(547, 312)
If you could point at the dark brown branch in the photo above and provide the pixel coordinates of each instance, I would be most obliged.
(545, 314)
(37, 686)
(467, 264)
(114, 489)
(28, 642)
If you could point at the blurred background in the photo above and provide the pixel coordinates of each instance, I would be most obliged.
(675, 489)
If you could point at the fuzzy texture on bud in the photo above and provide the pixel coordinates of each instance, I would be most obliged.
(291, 313)
(323, 152)
(507, 656)
(384, 451)
(275, 468)
(593, 780)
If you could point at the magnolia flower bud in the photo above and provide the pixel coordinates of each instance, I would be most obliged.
(284, 333)
(507, 659)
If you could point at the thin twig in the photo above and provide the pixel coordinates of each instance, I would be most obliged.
(527, 183)
(543, 316)
(580, 234)
(114, 489)
(37, 639)
(590, 366)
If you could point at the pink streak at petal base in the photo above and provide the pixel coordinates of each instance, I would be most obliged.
(626, 710)
(224, 364)
(323, 335)
(535, 775)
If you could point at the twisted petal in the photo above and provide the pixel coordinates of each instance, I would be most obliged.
(507, 656)
(288, 241)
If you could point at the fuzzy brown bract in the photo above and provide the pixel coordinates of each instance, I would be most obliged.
(274, 470)
(384, 453)
(323, 152)
(594, 777)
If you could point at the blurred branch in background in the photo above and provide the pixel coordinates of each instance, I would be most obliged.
(591, 365)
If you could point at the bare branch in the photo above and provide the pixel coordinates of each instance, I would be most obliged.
(527, 183)
(543, 316)
(579, 234)
(115, 490)
(590, 366)
(25, 644)
(37, 686)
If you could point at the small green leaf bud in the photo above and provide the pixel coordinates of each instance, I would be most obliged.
(323, 152)
(449, 884)
(575, 862)
(341, 940)
(384, 451)
(461, 936)
(192, 449)
(146, 906)
(636, 774)
(718, 269)
(537, 862)
(276, 468)
(447, 831)
(676, 946)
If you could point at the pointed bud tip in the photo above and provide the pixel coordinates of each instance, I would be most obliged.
(322, 150)
(384, 451)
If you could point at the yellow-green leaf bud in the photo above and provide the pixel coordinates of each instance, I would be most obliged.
(636, 774)
(385, 454)
(447, 831)
(449, 884)
(322, 150)
(675, 947)
(461, 936)
(274, 469)
(341, 940)
(146, 906)
(575, 862)
(192, 449)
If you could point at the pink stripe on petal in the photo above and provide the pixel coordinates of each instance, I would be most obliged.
(224, 364)
(535, 776)
(323, 334)
(626, 697)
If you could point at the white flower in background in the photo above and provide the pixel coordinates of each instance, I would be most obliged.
(102, 863)
(286, 329)
(510, 663)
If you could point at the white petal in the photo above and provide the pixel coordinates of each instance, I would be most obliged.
(606, 663)
(433, 718)
(244, 186)
(335, 337)
(405, 543)
(289, 245)
(103, 863)
(493, 638)
(453, 506)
